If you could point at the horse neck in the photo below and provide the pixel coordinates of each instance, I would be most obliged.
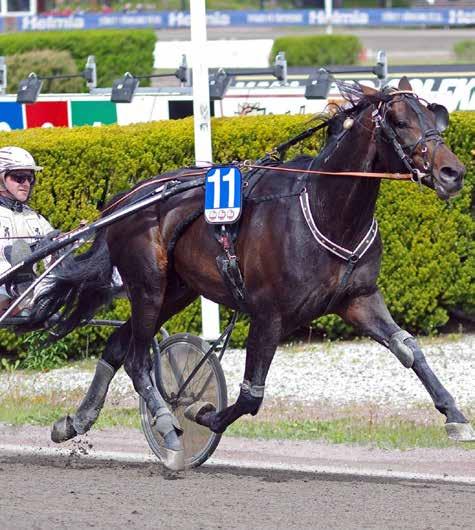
(344, 207)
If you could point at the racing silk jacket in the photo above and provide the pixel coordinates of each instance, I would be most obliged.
(18, 220)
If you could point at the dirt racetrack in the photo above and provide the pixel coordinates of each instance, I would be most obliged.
(69, 493)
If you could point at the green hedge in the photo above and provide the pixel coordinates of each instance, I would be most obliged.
(318, 50)
(116, 51)
(429, 261)
(44, 63)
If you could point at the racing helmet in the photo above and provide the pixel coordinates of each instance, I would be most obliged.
(12, 158)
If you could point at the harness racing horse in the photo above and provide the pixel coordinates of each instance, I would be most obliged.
(308, 245)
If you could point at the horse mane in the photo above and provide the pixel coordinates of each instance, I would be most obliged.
(356, 100)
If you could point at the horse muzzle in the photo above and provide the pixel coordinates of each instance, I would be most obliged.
(448, 181)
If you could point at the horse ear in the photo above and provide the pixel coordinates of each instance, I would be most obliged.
(404, 84)
(367, 90)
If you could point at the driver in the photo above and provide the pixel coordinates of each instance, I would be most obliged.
(20, 225)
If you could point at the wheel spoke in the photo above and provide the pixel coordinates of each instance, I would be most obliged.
(180, 354)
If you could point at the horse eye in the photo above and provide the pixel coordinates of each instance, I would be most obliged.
(401, 124)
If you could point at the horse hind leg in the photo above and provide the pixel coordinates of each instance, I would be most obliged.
(88, 411)
(370, 315)
(146, 306)
(264, 336)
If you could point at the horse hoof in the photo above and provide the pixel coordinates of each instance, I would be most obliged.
(460, 432)
(195, 411)
(173, 460)
(63, 430)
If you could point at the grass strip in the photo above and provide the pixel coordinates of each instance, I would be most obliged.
(392, 432)
(45, 410)
(388, 433)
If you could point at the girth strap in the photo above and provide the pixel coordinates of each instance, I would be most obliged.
(342, 252)
(228, 265)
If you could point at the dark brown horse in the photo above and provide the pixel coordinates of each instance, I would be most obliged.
(307, 245)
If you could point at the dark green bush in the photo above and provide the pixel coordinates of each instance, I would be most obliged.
(44, 63)
(39, 356)
(116, 51)
(318, 50)
(429, 261)
(465, 50)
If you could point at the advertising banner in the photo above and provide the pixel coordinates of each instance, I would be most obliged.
(291, 17)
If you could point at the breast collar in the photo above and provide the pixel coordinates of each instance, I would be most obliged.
(350, 256)
(12, 204)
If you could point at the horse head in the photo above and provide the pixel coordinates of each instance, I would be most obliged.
(412, 130)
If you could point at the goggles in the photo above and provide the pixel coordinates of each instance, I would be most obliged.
(21, 178)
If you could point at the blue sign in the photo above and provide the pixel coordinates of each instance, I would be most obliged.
(11, 116)
(280, 17)
(223, 193)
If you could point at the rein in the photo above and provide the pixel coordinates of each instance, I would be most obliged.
(389, 176)
(150, 183)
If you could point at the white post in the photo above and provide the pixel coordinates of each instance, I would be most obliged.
(328, 15)
(202, 128)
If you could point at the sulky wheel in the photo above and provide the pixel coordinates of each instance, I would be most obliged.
(179, 355)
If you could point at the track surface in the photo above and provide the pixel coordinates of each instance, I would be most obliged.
(77, 494)
(78, 488)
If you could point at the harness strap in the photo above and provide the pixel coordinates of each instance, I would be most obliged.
(274, 197)
(341, 286)
(351, 257)
(153, 182)
(283, 147)
(228, 266)
(339, 251)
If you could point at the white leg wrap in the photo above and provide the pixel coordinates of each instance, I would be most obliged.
(401, 350)
(256, 391)
(165, 422)
(92, 404)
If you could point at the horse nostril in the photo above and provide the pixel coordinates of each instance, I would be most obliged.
(449, 174)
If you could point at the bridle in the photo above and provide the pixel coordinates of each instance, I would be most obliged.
(381, 130)
(406, 151)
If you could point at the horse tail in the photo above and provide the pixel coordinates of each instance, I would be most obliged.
(80, 285)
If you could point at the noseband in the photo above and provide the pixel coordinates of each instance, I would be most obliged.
(406, 151)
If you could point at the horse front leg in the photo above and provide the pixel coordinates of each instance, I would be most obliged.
(262, 341)
(91, 406)
(370, 315)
